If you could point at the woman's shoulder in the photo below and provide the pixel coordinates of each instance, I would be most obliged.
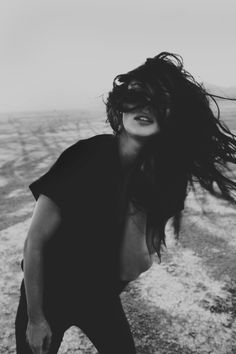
(84, 147)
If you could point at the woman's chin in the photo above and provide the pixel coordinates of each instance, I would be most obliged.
(142, 134)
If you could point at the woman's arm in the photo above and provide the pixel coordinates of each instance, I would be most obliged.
(46, 220)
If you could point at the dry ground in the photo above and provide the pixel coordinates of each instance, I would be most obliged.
(186, 304)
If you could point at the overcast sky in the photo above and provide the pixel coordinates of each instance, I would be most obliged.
(62, 54)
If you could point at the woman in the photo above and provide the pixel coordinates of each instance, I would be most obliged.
(102, 208)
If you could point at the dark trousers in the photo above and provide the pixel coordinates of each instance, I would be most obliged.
(103, 321)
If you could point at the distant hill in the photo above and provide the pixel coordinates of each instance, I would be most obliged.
(221, 91)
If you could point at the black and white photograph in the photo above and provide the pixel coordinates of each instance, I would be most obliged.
(118, 177)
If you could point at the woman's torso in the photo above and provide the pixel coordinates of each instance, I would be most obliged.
(136, 252)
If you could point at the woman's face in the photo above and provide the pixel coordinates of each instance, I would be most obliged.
(140, 122)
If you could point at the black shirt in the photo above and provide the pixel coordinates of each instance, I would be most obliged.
(85, 182)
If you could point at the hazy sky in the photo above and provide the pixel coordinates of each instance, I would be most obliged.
(60, 54)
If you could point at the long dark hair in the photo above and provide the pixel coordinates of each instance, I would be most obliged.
(194, 144)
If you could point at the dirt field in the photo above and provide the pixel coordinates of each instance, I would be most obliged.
(186, 304)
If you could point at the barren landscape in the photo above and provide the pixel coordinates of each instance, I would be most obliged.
(185, 305)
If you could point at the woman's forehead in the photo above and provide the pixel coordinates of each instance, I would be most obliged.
(135, 84)
(154, 87)
(138, 84)
(147, 86)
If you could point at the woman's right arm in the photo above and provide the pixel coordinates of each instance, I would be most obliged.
(46, 220)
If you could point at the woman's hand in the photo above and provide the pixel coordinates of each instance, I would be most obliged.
(39, 336)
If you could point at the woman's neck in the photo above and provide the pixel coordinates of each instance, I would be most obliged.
(129, 150)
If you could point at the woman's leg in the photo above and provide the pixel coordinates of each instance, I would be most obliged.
(121, 285)
(108, 329)
(21, 322)
(105, 324)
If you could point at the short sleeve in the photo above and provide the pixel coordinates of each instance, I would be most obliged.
(58, 182)
(54, 183)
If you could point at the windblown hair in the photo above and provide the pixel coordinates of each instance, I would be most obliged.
(194, 144)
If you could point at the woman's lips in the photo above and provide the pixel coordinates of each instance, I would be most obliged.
(143, 118)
